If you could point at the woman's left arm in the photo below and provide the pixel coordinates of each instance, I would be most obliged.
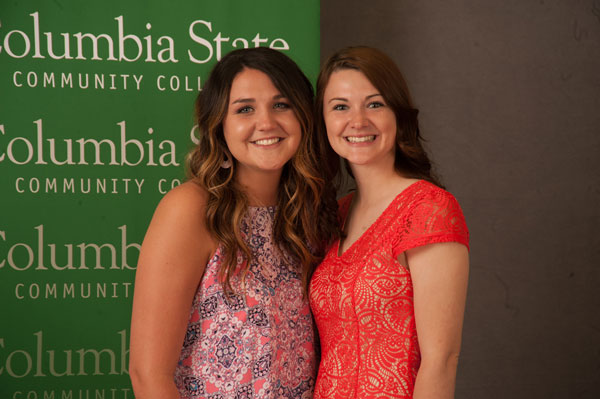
(440, 274)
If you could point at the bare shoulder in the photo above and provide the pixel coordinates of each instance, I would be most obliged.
(183, 205)
(179, 220)
(189, 196)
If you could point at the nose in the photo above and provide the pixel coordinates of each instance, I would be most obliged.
(265, 121)
(359, 119)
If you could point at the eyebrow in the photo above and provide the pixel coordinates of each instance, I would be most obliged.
(346, 100)
(251, 100)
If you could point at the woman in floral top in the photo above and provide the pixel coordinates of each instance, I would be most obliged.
(220, 306)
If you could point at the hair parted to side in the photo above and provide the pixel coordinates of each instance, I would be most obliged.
(411, 159)
(305, 219)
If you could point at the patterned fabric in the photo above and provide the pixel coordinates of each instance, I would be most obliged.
(363, 300)
(258, 342)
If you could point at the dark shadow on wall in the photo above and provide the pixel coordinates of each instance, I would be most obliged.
(509, 99)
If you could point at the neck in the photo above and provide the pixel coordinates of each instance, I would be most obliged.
(376, 181)
(260, 187)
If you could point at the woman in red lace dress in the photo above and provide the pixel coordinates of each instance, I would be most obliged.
(389, 296)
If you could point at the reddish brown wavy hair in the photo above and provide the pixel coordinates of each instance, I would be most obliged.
(305, 219)
(411, 159)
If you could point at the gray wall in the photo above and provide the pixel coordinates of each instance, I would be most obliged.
(509, 94)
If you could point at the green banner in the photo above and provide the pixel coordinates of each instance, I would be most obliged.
(96, 115)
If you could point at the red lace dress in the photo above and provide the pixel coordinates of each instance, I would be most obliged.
(362, 300)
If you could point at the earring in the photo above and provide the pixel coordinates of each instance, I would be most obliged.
(226, 164)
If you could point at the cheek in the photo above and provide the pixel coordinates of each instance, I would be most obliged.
(388, 127)
(334, 142)
(335, 128)
(234, 131)
(392, 126)
(294, 128)
(233, 140)
(227, 127)
(294, 141)
(228, 137)
(331, 125)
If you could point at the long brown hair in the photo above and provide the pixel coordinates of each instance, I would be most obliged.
(410, 159)
(305, 219)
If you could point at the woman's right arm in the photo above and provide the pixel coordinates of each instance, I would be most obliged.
(175, 251)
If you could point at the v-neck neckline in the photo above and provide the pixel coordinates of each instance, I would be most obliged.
(375, 222)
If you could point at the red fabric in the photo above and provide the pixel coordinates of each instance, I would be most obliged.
(363, 300)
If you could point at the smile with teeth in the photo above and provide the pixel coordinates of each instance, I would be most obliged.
(361, 139)
(270, 141)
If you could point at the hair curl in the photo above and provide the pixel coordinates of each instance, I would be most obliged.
(410, 159)
(305, 218)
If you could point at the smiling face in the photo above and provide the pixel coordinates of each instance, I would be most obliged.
(361, 127)
(260, 128)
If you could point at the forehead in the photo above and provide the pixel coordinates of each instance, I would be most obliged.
(252, 82)
(348, 82)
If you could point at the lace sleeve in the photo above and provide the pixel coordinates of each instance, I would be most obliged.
(434, 217)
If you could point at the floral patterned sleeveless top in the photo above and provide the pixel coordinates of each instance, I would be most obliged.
(257, 342)
(362, 300)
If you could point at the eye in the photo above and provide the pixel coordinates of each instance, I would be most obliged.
(281, 105)
(244, 110)
(340, 107)
(376, 104)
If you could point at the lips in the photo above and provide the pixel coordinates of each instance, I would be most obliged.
(359, 139)
(267, 141)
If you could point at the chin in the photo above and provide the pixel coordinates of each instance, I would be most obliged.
(358, 161)
(271, 168)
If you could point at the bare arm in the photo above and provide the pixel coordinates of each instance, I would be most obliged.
(440, 274)
(174, 254)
